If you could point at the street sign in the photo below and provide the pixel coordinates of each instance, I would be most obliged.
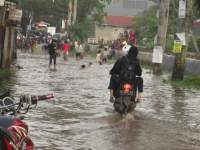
(157, 55)
(2, 2)
(179, 42)
(182, 9)
(15, 15)
(92, 40)
(177, 47)
(181, 38)
(63, 24)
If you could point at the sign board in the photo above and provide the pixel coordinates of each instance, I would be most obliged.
(181, 38)
(51, 30)
(15, 15)
(2, 2)
(92, 40)
(182, 9)
(177, 47)
(157, 55)
(63, 24)
(29, 27)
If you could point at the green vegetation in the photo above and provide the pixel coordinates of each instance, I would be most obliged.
(146, 26)
(146, 66)
(88, 11)
(190, 81)
(5, 74)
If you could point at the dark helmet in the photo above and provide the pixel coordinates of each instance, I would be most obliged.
(133, 51)
(54, 40)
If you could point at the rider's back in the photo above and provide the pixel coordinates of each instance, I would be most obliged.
(129, 59)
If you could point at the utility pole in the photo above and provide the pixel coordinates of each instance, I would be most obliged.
(161, 36)
(2, 29)
(180, 58)
(69, 20)
(74, 11)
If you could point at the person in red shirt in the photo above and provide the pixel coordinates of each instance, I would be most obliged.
(132, 39)
(66, 48)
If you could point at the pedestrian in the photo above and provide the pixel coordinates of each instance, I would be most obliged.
(66, 48)
(105, 55)
(79, 50)
(52, 53)
(99, 57)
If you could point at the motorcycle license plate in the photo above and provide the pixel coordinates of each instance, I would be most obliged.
(123, 93)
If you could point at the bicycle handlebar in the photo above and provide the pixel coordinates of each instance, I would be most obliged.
(8, 104)
(35, 99)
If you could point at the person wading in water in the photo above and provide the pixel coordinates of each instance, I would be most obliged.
(52, 53)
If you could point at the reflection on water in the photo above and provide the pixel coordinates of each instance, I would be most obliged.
(179, 105)
(81, 117)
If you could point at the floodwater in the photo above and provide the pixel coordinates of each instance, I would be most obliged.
(81, 117)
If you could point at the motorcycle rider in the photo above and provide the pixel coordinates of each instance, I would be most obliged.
(130, 53)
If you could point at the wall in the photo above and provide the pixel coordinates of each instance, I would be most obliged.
(108, 32)
(192, 66)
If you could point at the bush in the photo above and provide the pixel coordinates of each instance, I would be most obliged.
(169, 44)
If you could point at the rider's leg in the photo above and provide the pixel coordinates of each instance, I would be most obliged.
(113, 87)
(139, 87)
(54, 61)
(50, 60)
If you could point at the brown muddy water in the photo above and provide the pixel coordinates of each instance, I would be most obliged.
(81, 117)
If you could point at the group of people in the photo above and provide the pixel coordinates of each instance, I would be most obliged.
(53, 52)
(63, 49)
(129, 52)
(102, 56)
(114, 47)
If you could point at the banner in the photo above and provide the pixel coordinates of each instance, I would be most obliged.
(63, 26)
(181, 38)
(182, 9)
(157, 55)
(15, 15)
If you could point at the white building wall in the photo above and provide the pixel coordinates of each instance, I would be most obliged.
(108, 33)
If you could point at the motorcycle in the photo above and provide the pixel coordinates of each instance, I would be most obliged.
(125, 103)
(13, 131)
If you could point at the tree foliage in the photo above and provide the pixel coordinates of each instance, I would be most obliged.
(45, 10)
(146, 26)
(54, 12)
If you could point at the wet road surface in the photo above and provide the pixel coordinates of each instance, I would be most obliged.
(81, 117)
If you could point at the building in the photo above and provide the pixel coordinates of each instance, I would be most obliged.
(10, 18)
(120, 17)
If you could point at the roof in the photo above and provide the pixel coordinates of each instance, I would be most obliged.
(128, 7)
(119, 20)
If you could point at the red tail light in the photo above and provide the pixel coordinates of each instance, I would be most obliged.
(127, 87)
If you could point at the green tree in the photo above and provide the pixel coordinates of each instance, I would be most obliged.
(146, 27)
(52, 12)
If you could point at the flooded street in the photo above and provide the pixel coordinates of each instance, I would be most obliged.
(81, 117)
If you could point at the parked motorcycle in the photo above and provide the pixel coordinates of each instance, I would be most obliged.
(13, 131)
